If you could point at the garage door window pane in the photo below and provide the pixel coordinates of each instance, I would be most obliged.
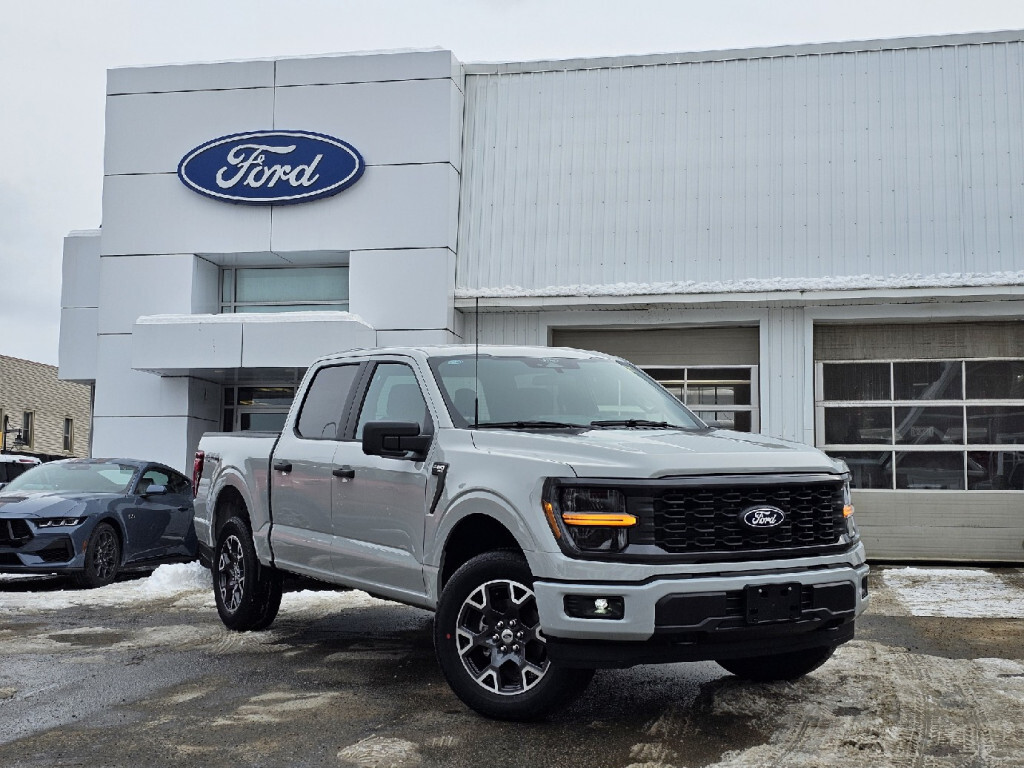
(995, 470)
(927, 380)
(927, 426)
(853, 426)
(933, 470)
(868, 469)
(995, 380)
(995, 424)
(856, 381)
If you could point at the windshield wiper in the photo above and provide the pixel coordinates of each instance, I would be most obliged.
(527, 425)
(633, 423)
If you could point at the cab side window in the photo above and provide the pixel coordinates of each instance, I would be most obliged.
(394, 395)
(324, 405)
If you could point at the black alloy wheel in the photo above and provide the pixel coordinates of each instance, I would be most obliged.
(102, 557)
(491, 646)
(248, 594)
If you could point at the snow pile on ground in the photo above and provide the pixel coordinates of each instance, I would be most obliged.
(184, 581)
(171, 580)
(186, 585)
(319, 601)
(955, 593)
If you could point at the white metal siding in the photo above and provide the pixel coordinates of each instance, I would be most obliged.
(879, 162)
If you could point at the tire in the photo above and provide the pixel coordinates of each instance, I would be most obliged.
(781, 666)
(490, 646)
(248, 594)
(102, 558)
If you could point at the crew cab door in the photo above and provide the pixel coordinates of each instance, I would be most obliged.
(301, 473)
(380, 502)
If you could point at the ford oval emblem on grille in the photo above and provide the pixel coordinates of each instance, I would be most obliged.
(762, 516)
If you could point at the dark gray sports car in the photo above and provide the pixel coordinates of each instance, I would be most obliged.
(92, 518)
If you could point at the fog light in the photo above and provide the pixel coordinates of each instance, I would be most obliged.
(588, 607)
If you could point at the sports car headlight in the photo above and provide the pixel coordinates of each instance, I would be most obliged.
(58, 522)
(593, 519)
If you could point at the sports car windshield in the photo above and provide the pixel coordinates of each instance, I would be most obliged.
(74, 477)
(555, 392)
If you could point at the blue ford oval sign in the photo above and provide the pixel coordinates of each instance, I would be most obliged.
(762, 516)
(271, 167)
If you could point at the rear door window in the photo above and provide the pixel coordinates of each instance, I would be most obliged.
(324, 404)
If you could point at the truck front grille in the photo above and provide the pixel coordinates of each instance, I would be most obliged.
(697, 519)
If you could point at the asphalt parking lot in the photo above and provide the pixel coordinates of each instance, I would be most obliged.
(143, 673)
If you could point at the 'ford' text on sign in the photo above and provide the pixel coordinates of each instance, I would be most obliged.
(271, 167)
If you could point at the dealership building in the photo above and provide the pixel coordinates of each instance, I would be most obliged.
(822, 242)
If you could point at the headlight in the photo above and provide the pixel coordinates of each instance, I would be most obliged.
(592, 519)
(851, 525)
(58, 522)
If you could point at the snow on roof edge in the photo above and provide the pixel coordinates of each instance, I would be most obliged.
(754, 285)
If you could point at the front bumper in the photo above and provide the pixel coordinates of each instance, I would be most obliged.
(704, 616)
(45, 553)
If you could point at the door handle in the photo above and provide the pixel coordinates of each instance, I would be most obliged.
(283, 466)
(346, 472)
(183, 509)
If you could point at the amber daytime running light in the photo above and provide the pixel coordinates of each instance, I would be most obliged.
(590, 519)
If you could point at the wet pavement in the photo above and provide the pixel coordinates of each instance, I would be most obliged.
(129, 676)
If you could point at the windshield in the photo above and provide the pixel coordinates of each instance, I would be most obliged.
(555, 392)
(74, 477)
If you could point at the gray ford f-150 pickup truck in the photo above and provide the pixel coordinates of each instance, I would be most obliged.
(558, 510)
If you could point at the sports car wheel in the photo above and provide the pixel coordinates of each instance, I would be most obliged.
(779, 666)
(102, 558)
(490, 645)
(248, 594)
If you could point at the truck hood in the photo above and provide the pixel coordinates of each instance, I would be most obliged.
(650, 453)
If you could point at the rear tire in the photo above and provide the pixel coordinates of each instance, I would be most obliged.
(102, 558)
(248, 594)
(779, 666)
(490, 646)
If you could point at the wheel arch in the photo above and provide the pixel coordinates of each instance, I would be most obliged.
(474, 534)
(229, 502)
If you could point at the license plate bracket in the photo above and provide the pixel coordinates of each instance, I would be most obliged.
(769, 603)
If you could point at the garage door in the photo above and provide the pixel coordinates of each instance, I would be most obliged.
(930, 418)
(712, 370)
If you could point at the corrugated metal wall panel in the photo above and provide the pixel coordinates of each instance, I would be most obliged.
(881, 162)
(503, 328)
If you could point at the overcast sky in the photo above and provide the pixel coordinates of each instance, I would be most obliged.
(54, 55)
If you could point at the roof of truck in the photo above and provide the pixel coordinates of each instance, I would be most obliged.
(470, 350)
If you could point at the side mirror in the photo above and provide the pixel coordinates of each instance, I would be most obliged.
(155, 490)
(395, 439)
(2, 486)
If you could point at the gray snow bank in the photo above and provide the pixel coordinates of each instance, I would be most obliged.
(184, 585)
(955, 593)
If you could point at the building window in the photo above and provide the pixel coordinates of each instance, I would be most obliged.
(28, 421)
(256, 408)
(930, 424)
(723, 396)
(283, 289)
(69, 435)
